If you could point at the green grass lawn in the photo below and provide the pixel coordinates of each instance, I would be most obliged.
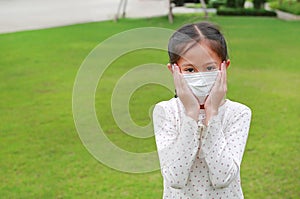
(43, 157)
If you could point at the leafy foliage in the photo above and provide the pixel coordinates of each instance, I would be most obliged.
(292, 7)
(235, 3)
(244, 12)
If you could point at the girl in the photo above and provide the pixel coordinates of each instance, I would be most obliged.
(200, 135)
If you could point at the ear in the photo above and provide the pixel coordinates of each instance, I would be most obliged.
(227, 63)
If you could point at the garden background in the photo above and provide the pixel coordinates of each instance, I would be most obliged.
(42, 155)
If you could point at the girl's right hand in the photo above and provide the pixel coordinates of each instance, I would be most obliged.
(185, 94)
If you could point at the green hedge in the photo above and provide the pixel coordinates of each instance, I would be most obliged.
(217, 3)
(291, 7)
(245, 12)
(286, 6)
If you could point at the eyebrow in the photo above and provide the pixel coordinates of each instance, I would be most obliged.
(189, 64)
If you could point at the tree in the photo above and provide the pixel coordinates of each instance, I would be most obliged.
(258, 4)
(235, 3)
(181, 3)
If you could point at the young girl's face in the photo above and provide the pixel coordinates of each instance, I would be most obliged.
(200, 58)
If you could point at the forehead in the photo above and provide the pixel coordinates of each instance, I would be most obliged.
(199, 54)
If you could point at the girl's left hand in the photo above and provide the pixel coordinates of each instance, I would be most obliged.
(217, 94)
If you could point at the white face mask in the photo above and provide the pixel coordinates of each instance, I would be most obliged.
(201, 83)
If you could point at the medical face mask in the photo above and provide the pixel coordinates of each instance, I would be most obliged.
(201, 83)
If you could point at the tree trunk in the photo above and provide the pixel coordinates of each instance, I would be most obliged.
(170, 15)
(203, 4)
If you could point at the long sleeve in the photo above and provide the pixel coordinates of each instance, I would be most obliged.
(223, 147)
(177, 143)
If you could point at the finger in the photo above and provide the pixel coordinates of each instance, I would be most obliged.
(219, 78)
(176, 68)
(224, 70)
(224, 78)
(223, 73)
(175, 71)
(178, 75)
(170, 67)
(178, 80)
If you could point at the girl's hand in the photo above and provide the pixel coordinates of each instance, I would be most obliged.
(217, 94)
(184, 93)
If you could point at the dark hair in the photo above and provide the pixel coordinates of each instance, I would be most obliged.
(189, 35)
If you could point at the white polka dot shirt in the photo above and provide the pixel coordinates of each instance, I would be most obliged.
(198, 161)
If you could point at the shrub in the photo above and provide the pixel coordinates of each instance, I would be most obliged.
(240, 3)
(244, 12)
(179, 3)
(291, 7)
(274, 5)
(230, 3)
(235, 3)
(217, 3)
(258, 4)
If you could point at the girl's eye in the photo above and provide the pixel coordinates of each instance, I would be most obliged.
(209, 68)
(191, 70)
